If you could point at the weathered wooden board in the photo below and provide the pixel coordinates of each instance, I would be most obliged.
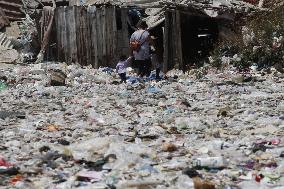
(89, 36)
(172, 41)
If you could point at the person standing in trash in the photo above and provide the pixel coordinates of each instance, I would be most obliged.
(140, 46)
(121, 67)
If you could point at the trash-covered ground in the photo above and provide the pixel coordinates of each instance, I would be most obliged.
(220, 130)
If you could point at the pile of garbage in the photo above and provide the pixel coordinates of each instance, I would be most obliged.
(19, 41)
(259, 45)
(63, 126)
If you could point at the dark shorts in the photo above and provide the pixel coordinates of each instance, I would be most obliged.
(122, 77)
(143, 67)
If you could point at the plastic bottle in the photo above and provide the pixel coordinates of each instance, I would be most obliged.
(2, 86)
(210, 162)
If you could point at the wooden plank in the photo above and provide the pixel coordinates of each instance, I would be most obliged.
(86, 38)
(94, 38)
(178, 41)
(69, 25)
(64, 35)
(166, 42)
(82, 38)
(103, 23)
(119, 34)
(114, 34)
(78, 36)
(89, 30)
(57, 18)
(60, 29)
(110, 37)
(174, 42)
(114, 30)
(73, 44)
(100, 38)
(107, 36)
(125, 37)
(89, 25)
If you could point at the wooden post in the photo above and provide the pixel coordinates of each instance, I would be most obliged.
(46, 36)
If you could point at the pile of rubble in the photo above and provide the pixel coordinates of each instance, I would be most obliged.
(223, 130)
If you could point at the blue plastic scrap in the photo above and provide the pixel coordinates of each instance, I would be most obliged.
(107, 70)
(153, 90)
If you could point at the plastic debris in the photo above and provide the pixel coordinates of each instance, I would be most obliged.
(182, 133)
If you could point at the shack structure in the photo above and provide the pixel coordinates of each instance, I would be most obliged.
(98, 32)
(88, 36)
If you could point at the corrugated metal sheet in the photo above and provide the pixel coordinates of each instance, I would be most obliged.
(12, 9)
(5, 43)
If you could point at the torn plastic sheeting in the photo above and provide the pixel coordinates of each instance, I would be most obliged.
(5, 42)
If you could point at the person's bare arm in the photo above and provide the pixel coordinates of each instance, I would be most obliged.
(150, 40)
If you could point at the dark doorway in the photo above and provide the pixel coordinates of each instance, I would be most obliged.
(198, 36)
(158, 34)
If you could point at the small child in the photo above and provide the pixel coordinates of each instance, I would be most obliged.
(121, 67)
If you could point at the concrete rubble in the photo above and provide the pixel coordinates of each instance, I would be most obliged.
(214, 132)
